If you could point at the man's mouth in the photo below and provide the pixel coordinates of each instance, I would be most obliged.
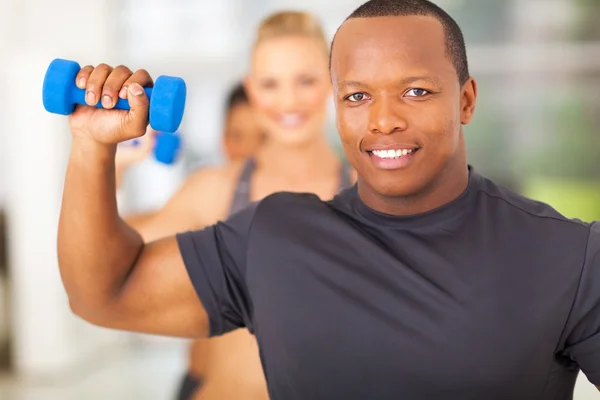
(387, 154)
(395, 158)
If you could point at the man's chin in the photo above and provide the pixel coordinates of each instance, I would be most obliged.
(393, 188)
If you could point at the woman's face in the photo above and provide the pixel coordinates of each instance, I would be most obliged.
(289, 88)
(243, 136)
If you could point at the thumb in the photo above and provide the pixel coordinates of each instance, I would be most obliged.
(137, 117)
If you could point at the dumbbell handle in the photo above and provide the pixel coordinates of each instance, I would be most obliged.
(78, 97)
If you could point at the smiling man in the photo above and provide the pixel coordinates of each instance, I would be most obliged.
(403, 90)
(425, 281)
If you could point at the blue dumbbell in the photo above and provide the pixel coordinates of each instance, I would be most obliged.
(167, 97)
(166, 146)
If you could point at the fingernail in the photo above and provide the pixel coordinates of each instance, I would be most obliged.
(123, 92)
(90, 98)
(136, 89)
(81, 83)
(106, 101)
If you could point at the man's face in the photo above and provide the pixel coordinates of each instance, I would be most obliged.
(399, 102)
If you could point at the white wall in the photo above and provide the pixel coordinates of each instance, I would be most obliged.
(48, 339)
(6, 10)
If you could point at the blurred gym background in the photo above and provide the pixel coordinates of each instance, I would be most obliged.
(536, 130)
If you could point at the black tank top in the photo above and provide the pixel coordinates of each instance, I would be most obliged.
(241, 196)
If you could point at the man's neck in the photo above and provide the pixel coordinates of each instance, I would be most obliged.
(443, 190)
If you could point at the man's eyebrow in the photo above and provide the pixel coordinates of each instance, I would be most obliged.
(408, 80)
(351, 84)
(431, 79)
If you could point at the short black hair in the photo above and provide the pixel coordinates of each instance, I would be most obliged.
(237, 95)
(455, 42)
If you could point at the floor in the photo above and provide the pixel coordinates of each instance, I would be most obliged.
(148, 371)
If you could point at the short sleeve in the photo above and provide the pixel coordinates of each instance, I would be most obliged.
(215, 258)
(582, 331)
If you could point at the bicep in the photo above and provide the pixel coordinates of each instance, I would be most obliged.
(158, 296)
(161, 295)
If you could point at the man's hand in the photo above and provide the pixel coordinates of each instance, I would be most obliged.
(109, 126)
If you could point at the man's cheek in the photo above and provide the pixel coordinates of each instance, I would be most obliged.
(354, 126)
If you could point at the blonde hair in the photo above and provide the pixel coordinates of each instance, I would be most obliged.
(291, 23)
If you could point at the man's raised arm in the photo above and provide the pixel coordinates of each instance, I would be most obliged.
(111, 277)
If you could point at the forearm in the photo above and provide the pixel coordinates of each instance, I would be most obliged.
(147, 226)
(96, 249)
(119, 172)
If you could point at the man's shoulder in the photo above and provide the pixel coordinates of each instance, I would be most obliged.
(280, 210)
(521, 206)
(291, 203)
(291, 208)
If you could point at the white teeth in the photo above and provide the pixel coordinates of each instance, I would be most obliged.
(391, 153)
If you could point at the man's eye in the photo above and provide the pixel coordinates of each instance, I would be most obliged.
(356, 97)
(417, 92)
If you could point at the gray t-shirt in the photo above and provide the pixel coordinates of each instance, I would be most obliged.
(492, 296)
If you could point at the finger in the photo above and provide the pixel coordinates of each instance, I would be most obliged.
(113, 85)
(83, 76)
(137, 118)
(140, 76)
(95, 83)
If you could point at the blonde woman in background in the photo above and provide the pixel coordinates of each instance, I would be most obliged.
(289, 89)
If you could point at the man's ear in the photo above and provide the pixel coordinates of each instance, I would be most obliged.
(468, 99)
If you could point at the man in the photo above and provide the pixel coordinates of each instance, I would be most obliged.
(425, 281)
